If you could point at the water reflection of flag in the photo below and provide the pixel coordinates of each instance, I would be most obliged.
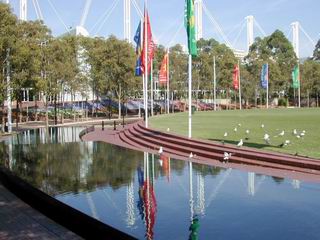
(150, 206)
(166, 166)
(140, 193)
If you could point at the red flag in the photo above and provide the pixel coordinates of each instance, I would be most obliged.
(147, 35)
(236, 77)
(163, 75)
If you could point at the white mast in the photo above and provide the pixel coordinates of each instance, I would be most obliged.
(23, 10)
(127, 20)
(250, 39)
(198, 19)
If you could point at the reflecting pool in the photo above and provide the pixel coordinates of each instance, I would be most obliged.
(161, 198)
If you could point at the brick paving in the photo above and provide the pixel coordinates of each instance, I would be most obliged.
(19, 221)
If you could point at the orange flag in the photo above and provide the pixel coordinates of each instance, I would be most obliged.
(163, 75)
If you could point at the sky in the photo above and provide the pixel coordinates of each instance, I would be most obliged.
(167, 18)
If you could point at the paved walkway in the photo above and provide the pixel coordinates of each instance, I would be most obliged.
(19, 221)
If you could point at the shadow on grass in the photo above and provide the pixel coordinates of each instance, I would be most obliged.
(246, 143)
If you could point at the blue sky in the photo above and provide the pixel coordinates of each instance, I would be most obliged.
(167, 18)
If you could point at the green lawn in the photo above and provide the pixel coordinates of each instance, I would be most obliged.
(213, 125)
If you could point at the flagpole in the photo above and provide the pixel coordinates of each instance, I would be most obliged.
(267, 86)
(151, 82)
(214, 84)
(146, 65)
(299, 90)
(239, 85)
(168, 75)
(190, 96)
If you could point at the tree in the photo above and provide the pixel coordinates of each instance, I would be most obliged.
(277, 51)
(8, 23)
(113, 63)
(310, 78)
(316, 52)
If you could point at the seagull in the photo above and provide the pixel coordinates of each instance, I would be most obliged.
(235, 129)
(168, 129)
(294, 132)
(225, 134)
(262, 125)
(302, 134)
(191, 155)
(282, 133)
(298, 136)
(285, 143)
(226, 156)
(239, 124)
(240, 144)
(247, 131)
(266, 138)
(160, 150)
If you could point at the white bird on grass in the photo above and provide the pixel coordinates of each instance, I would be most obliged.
(247, 131)
(168, 129)
(225, 134)
(298, 136)
(239, 124)
(262, 125)
(294, 132)
(235, 129)
(302, 134)
(160, 150)
(282, 133)
(285, 143)
(266, 138)
(226, 156)
(240, 144)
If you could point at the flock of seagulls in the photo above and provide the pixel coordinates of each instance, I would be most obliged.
(227, 156)
(266, 138)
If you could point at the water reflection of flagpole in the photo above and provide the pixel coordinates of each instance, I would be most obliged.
(296, 184)
(200, 206)
(194, 221)
(251, 185)
(191, 191)
(131, 218)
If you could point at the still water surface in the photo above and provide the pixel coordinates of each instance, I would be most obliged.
(160, 198)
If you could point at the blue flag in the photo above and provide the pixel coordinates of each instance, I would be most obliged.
(137, 40)
(265, 76)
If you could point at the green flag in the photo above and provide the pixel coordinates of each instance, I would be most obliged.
(295, 77)
(189, 23)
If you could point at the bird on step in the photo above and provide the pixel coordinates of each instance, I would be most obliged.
(160, 150)
(240, 144)
(226, 156)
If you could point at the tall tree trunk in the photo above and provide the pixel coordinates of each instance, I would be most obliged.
(55, 110)
(47, 114)
(17, 114)
(119, 103)
(36, 107)
(3, 120)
